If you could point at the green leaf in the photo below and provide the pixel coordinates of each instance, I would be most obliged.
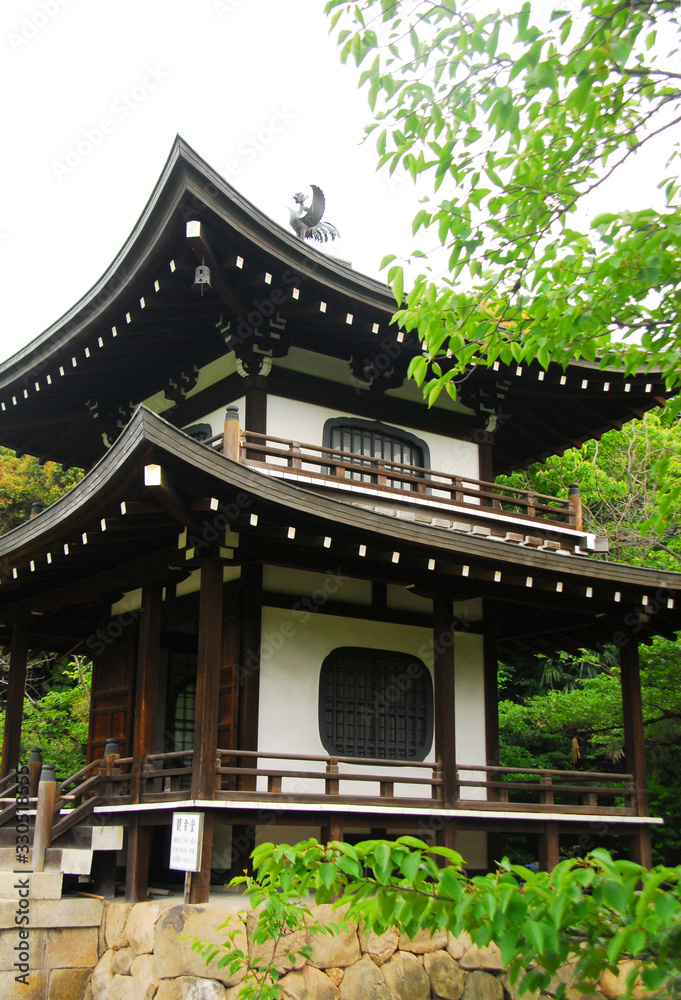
(397, 286)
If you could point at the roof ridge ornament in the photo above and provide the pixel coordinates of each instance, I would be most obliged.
(306, 217)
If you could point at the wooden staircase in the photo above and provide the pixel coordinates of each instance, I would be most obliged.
(58, 819)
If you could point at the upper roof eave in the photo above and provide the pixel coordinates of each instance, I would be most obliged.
(186, 173)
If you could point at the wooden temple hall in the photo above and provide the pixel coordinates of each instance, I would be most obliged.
(294, 579)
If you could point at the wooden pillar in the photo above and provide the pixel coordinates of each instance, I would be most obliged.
(248, 669)
(16, 688)
(256, 409)
(445, 836)
(334, 827)
(485, 462)
(137, 866)
(147, 682)
(549, 846)
(492, 757)
(209, 661)
(444, 695)
(256, 412)
(491, 686)
(200, 884)
(104, 873)
(144, 726)
(634, 743)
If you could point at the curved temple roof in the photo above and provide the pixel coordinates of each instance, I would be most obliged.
(86, 550)
(143, 329)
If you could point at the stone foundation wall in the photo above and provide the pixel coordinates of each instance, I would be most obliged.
(143, 958)
(58, 949)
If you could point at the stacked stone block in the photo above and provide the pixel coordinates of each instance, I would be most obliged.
(146, 955)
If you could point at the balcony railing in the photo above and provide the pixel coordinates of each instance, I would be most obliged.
(256, 775)
(321, 467)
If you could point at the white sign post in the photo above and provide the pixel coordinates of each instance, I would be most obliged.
(186, 843)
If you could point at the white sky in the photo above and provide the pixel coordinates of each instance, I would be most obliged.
(222, 71)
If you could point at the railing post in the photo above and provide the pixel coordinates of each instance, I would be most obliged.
(112, 751)
(436, 790)
(331, 785)
(546, 795)
(47, 793)
(294, 461)
(531, 507)
(35, 764)
(457, 492)
(230, 441)
(575, 501)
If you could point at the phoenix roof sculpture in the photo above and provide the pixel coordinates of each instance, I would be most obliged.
(306, 217)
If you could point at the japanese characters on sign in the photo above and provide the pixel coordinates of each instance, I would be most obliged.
(186, 842)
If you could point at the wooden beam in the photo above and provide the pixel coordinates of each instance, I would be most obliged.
(224, 288)
(89, 589)
(147, 680)
(160, 485)
(18, 661)
(444, 695)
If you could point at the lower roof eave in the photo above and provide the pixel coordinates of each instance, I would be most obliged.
(357, 809)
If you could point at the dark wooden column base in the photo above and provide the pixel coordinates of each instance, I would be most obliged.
(446, 836)
(641, 851)
(16, 686)
(200, 890)
(495, 850)
(104, 873)
(549, 847)
(334, 828)
(137, 869)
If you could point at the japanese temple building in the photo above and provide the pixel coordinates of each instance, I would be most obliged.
(295, 579)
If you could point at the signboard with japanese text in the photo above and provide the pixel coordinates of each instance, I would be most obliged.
(186, 842)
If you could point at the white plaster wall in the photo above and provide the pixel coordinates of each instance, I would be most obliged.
(294, 645)
(304, 422)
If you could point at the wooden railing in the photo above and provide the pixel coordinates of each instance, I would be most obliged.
(242, 768)
(408, 482)
(553, 791)
(257, 774)
(167, 776)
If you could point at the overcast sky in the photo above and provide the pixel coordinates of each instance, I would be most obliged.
(93, 94)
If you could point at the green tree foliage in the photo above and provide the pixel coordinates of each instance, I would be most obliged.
(621, 492)
(56, 706)
(513, 122)
(592, 912)
(56, 713)
(571, 718)
(554, 715)
(24, 481)
(513, 119)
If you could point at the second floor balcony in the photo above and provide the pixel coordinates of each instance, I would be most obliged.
(441, 498)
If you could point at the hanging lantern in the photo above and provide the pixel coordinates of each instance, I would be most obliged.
(202, 277)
